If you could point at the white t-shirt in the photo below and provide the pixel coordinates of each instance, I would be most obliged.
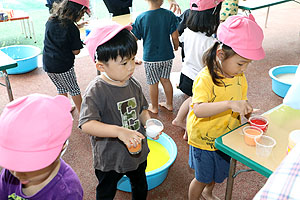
(195, 44)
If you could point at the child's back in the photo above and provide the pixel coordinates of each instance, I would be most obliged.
(155, 28)
(202, 24)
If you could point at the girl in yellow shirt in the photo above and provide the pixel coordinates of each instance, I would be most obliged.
(219, 99)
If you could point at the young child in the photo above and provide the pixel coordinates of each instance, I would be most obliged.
(62, 42)
(202, 24)
(220, 99)
(155, 27)
(34, 131)
(114, 112)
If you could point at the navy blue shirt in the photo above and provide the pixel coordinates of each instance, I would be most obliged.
(60, 40)
(155, 28)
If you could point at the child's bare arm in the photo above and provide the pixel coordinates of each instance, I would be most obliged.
(144, 116)
(99, 129)
(76, 52)
(175, 39)
(203, 110)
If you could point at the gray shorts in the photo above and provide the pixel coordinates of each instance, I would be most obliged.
(156, 70)
(65, 82)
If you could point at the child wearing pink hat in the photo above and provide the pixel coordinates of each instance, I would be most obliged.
(114, 112)
(220, 99)
(33, 131)
(62, 42)
(198, 36)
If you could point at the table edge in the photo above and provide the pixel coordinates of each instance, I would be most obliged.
(239, 157)
(263, 6)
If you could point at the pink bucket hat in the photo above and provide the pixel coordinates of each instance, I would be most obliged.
(33, 130)
(204, 4)
(85, 3)
(243, 35)
(101, 34)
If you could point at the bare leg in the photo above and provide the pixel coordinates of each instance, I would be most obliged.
(66, 95)
(180, 119)
(153, 107)
(207, 192)
(138, 61)
(77, 101)
(195, 189)
(168, 88)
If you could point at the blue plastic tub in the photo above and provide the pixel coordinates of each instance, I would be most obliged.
(157, 176)
(279, 87)
(25, 55)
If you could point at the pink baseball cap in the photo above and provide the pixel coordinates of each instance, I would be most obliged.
(33, 130)
(204, 4)
(243, 35)
(85, 3)
(101, 34)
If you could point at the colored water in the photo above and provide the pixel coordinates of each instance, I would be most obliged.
(286, 78)
(157, 157)
(252, 132)
(249, 136)
(258, 122)
(153, 130)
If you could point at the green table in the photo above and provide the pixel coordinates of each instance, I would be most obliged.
(258, 4)
(282, 120)
(7, 62)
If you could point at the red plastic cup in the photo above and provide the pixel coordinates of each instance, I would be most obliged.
(259, 122)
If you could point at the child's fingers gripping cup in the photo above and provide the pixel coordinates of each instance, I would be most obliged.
(153, 127)
(250, 132)
(135, 150)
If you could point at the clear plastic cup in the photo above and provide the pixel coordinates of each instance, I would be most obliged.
(264, 145)
(250, 132)
(153, 127)
(135, 150)
(259, 122)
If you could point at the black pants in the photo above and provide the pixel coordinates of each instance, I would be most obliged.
(107, 187)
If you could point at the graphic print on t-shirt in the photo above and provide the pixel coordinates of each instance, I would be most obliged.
(15, 197)
(128, 114)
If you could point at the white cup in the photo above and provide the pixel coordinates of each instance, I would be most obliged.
(264, 145)
(153, 127)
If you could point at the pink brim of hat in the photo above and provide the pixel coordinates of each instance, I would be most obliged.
(101, 34)
(205, 5)
(251, 54)
(27, 161)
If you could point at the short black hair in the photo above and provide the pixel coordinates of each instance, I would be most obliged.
(122, 44)
(206, 21)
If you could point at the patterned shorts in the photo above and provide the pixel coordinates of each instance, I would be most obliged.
(156, 70)
(65, 82)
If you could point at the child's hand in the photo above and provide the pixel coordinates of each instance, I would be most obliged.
(242, 107)
(130, 137)
(157, 137)
(174, 7)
